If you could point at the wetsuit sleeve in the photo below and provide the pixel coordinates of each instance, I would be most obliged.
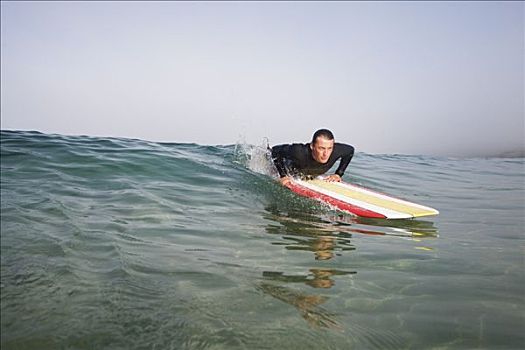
(346, 152)
(279, 154)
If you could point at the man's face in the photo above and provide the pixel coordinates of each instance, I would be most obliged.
(322, 149)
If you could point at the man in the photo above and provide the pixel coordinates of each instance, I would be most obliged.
(312, 159)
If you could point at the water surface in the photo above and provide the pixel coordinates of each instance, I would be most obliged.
(126, 244)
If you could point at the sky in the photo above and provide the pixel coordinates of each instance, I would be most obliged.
(437, 78)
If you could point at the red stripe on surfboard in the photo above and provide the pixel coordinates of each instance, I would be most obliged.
(335, 202)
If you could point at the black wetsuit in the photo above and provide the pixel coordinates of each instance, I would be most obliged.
(297, 160)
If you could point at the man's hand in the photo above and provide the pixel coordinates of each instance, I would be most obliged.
(285, 181)
(333, 178)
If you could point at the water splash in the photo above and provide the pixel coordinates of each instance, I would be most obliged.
(257, 158)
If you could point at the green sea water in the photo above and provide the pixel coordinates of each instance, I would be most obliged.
(113, 243)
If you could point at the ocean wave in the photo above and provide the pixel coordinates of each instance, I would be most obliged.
(125, 243)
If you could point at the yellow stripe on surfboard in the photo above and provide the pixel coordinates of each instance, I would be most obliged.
(379, 200)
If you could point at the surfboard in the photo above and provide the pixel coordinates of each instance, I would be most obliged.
(358, 200)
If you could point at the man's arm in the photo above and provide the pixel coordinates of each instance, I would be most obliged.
(345, 152)
(279, 154)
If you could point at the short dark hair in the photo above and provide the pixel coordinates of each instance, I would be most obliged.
(327, 134)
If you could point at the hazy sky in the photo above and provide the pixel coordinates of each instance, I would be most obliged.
(386, 77)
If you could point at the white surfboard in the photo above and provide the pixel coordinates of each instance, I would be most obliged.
(359, 200)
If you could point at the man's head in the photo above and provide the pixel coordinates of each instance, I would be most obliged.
(322, 145)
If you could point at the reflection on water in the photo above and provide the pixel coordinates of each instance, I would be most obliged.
(323, 247)
(317, 278)
(308, 305)
(326, 234)
(329, 234)
(399, 227)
